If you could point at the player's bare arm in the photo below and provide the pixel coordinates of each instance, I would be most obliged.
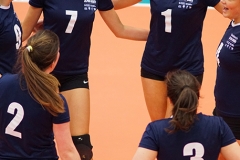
(122, 31)
(30, 21)
(119, 4)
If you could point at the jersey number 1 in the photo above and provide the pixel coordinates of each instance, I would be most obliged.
(168, 20)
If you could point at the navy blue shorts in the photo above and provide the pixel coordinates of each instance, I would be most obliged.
(73, 81)
(146, 74)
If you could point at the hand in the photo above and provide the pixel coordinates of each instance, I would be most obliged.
(0, 75)
(38, 26)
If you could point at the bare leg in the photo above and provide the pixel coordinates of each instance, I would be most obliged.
(79, 108)
(155, 93)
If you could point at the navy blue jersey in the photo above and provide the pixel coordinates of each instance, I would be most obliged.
(174, 41)
(204, 140)
(26, 130)
(72, 21)
(10, 38)
(227, 88)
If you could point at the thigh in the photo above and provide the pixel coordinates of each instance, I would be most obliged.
(75, 89)
(79, 108)
(155, 93)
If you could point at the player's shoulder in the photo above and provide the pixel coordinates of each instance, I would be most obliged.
(6, 13)
(162, 123)
(8, 79)
(209, 119)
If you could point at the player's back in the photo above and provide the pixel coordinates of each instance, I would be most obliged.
(26, 127)
(204, 139)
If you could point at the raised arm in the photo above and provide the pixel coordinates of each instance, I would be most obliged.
(30, 21)
(121, 31)
(219, 7)
(66, 148)
(119, 4)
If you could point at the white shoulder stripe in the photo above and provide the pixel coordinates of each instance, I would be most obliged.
(4, 7)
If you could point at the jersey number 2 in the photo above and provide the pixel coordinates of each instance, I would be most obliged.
(168, 18)
(10, 129)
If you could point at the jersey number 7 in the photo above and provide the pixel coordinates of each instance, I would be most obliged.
(72, 20)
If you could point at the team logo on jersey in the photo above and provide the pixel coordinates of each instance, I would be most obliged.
(231, 42)
(185, 4)
(90, 5)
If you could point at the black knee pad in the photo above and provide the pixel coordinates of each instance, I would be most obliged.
(83, 146)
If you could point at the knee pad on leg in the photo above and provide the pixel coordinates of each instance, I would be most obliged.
(83, 146)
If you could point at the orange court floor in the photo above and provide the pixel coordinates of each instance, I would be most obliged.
(118, 111)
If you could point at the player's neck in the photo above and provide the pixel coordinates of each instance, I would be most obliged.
(5, 2)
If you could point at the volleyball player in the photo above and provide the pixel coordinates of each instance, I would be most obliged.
(32, 113)
(174, 42)
(188, 134)
(72, 21)
(227, 87)
(10, 36)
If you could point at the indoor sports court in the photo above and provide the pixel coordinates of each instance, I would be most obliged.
(118, 112)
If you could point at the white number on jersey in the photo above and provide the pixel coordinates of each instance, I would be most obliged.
(168, 19)
(218, 52)
(18, 35)
(72, 21)
(199, 150)
(16, 120)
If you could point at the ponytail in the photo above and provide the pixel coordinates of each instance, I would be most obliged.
(183, 91)
(39, 53)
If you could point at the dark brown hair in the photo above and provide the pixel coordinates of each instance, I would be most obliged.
(39, 53)
(183, 91)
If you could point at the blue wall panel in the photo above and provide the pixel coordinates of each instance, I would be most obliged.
(145, 1)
